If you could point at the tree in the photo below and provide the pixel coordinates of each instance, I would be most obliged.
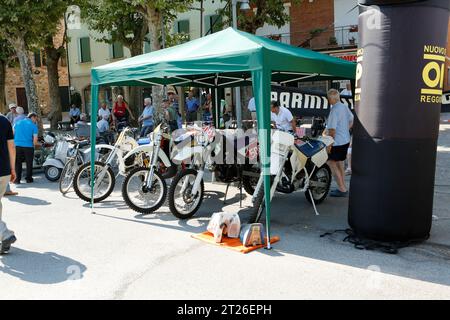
(6, 56)
(271, 12)
(159, 13)
(27, 25)
(118, 22)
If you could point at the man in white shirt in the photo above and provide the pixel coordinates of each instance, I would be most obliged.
(282, 117)
(252, 108)
(104, 111)
(339, 123)
(103, 125)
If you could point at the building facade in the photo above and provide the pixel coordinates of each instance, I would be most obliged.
(15, 89)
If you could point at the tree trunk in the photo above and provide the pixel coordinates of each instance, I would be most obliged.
(3, 107)
(154, 18)
(52, 58)
(134, 97)
(27, 77)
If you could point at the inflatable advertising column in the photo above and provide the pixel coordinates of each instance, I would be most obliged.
(398, 90)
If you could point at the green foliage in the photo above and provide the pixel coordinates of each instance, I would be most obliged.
(6, 51)
(116, 21)
(271, 12)
(32, 20)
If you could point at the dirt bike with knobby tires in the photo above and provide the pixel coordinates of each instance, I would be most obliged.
(295, 165)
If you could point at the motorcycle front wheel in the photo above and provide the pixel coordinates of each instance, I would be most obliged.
(182, 203)
(138, 196)
(82, 182)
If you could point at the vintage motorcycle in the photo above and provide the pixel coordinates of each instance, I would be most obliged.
(126, 154)
(144, 188)
(186, 191)
(295, 167)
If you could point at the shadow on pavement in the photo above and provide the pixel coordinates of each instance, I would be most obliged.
(41, 268)
(29, 201)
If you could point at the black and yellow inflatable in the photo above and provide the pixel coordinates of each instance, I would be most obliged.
(398, 94)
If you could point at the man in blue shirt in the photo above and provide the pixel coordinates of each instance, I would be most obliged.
(339, 123)
(74, 114)
(191, 107)
(7, 174)
(25, 138)
(147, 117)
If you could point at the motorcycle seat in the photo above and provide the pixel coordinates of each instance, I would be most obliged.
(143, 141)
(310, 148)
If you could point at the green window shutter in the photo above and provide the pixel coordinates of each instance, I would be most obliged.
(85, 50)
(117, 50)
(147, 47)
(37, 59)
(216, 23)
(183, 26)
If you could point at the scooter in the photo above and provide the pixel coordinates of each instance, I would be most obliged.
(63, 148)
(295, 167)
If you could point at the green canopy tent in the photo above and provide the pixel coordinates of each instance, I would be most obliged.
(224, 59)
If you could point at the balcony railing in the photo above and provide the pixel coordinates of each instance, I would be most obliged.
(321, 39)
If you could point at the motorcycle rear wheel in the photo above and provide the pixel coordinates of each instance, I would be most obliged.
(323, 175)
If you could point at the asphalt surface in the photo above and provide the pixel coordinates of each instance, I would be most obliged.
(66, 252)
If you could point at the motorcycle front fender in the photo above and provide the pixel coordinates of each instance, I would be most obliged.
(187, 153)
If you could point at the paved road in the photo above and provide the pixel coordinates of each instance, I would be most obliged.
(64, 251)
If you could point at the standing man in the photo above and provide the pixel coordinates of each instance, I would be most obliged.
(12, 114)
(252, 108)
(7, 174)
(25, 138)
(20, 115)
(192, 106)
(282, 117)
(347, 91)
(170, 114)
(147, 117)
(339, 123)
(74, 114)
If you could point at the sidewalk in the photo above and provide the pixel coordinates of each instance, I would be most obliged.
(65, 252)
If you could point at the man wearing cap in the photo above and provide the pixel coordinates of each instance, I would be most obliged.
(12, 114)
(25, 138)
(20, 115)
(7, 174)
(170, 114)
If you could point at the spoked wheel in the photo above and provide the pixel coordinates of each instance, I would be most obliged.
(66, 180)
(82, 182)
(182, 203)
(319, 184)
(138, 196)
